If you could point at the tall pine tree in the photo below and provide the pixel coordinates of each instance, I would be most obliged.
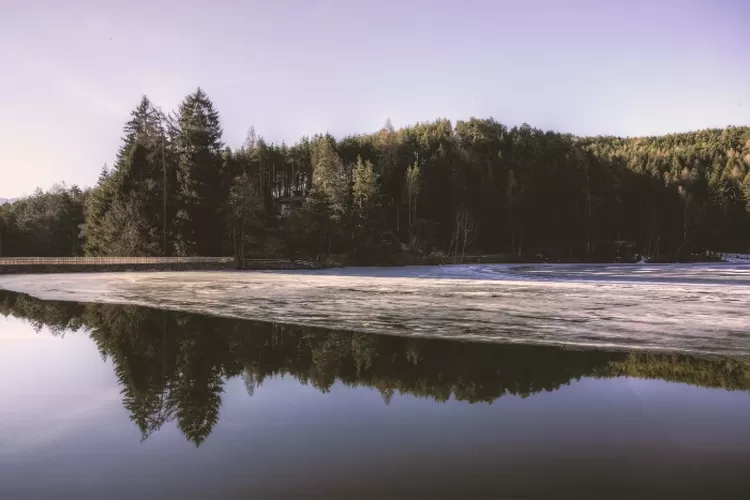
(196, 136)
(126, 213)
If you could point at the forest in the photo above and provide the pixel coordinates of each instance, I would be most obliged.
(172, 366)
(431, 190)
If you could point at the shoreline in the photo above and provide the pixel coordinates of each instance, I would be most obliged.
(678, 308)
(66, 265)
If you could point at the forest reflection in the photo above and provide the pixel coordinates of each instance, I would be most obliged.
(172, 366)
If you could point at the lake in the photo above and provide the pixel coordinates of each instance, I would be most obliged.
(699, 309)
(125, 401)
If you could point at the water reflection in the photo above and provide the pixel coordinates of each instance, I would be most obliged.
(173, 366)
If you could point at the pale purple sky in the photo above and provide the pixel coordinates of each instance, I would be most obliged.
(71, 71)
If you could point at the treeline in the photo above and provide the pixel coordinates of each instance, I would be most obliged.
(45, 224)
(173, 366)
(478, 186)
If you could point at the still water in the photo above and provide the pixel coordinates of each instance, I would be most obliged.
(107, 401)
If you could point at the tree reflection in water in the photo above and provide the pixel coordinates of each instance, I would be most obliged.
(172, 366)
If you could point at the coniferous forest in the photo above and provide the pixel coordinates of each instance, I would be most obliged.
(432, 189)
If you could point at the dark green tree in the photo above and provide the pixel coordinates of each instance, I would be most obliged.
(131, 209)
(202, 192)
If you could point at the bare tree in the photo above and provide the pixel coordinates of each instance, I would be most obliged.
(463, 235)
(468, 228)
(413, 175)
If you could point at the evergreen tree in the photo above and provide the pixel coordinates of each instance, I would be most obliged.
(196, 136)
(98, 236)
(413, 175)
(365, 188)
(520, 191)
(127, 214)
(246, 215)
(330, 178)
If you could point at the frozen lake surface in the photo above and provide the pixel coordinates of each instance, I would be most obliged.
(477, 391)
(126, 402)
(694, 308)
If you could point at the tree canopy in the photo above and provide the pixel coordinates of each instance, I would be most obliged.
(435, 187)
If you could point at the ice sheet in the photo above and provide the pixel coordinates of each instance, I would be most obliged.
(695, 308)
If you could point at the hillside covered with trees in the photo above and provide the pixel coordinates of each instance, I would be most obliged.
(437, 188)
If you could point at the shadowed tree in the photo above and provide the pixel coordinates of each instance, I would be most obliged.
(196, 137)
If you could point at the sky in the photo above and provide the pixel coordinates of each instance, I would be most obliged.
(71, 71)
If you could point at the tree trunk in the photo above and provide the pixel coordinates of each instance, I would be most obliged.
(510, 213)
(164, 196)
(413, 219)
(588, 219)
(463, 247)
(242, 242)
(685, 221)
(523, 213)
(234, 248)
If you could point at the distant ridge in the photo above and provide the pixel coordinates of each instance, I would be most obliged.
(3, 201)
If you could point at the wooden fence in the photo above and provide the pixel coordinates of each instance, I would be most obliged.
(47, 265)
(56, 261)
